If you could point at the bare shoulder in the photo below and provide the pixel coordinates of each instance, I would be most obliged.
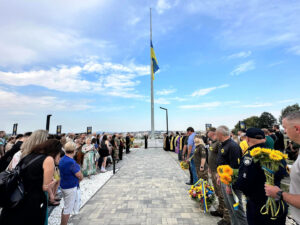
(48, 161)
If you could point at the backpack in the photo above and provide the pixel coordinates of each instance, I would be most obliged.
(11, 185)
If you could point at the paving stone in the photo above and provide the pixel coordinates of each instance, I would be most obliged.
(149, 189)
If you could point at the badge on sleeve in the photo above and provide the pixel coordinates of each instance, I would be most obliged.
(222, 150)
(247, 161)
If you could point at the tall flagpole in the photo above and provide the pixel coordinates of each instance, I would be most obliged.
(151, 78)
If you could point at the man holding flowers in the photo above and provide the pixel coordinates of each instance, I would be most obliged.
(230, 154)
(214, 148)
(251, 180)
(291, 125)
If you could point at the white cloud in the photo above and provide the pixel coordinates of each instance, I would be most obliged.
(162, 101)
(109, 108)
(240, 55)
(295, 50)
(19, 104)
(205, 91)
(251, 23)
(244, 67)
(201, 106)
(111, 79)
(287, 101)
(257, 105)
(163, 5)
(165, 91)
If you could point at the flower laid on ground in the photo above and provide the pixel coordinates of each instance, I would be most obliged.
(203, 192)
(184, 165)
(270, 161)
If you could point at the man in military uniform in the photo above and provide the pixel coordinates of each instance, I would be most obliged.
(230, 154)
(214, 148)
(251, 180)
(200, 158)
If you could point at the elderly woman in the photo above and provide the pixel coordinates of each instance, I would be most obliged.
(89, 159)
(70, 177)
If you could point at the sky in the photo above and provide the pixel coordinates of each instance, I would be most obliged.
(87, 62)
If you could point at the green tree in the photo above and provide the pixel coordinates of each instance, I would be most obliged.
(252, 121)
(266, 120)
(287, 110)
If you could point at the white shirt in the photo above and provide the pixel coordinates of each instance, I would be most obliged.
(295, 187)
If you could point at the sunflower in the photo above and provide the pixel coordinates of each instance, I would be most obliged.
(275, 156)
(228, 170)
(255, 152)
(227, 178)
(285, 156)
(220, 169)
(266, 150)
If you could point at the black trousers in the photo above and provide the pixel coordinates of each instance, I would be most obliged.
(127, 148)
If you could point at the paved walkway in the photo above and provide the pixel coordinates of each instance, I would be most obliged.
(149, 189)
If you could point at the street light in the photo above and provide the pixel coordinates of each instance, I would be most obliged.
(166, 118)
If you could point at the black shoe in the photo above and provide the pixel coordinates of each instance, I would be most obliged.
(216, 213)
(189, 183)
(223, 222)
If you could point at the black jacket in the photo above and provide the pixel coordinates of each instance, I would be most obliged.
(5, 160)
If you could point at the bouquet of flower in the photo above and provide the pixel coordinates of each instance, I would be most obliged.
(204, 193)
(184, 165)
(270, 161)
(228, 176)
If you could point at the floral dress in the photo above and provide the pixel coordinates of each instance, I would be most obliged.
(89, 160)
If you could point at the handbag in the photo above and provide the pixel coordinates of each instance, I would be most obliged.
(11, 185)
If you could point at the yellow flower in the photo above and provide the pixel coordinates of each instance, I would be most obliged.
(275, 156)
(285, 156)
(220, 169)
(255, 152)
(225, 178)
(228, 170)
(266, 150)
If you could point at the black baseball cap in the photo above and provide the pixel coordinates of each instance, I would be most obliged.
(255, 133)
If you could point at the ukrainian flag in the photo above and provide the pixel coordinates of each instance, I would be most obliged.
(154, 62)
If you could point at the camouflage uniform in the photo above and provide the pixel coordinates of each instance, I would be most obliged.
(199, 154)
(212, 164)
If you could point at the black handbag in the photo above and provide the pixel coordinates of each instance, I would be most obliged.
(11, 185)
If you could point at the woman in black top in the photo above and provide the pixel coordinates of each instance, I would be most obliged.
(104, 152)
(37, 180)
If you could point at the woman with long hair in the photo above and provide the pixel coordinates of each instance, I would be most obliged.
(37, 137)
(37, 180)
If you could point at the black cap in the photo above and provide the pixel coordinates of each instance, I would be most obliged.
(255, 133)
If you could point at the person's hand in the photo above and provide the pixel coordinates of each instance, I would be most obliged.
(218, 179)
(271, 190)
(228, 190)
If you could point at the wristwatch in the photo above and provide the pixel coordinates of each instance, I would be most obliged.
(279, 195)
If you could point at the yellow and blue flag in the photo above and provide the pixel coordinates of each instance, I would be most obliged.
(154, 62)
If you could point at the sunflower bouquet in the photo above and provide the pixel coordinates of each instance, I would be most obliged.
(203, 192)
(270, 161)
(228, 176)
(184, 165)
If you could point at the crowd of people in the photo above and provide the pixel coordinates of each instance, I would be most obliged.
(219, 146)
(55, 162)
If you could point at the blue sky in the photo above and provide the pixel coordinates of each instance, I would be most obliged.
(87, 62)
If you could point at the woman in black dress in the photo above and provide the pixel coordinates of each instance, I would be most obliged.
(104, 152)
(37, 180)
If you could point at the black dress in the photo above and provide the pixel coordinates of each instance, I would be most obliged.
(103, 150)
(32, 209)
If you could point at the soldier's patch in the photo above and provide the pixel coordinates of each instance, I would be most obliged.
(222, 150)
(211, 148)
(247, 161)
